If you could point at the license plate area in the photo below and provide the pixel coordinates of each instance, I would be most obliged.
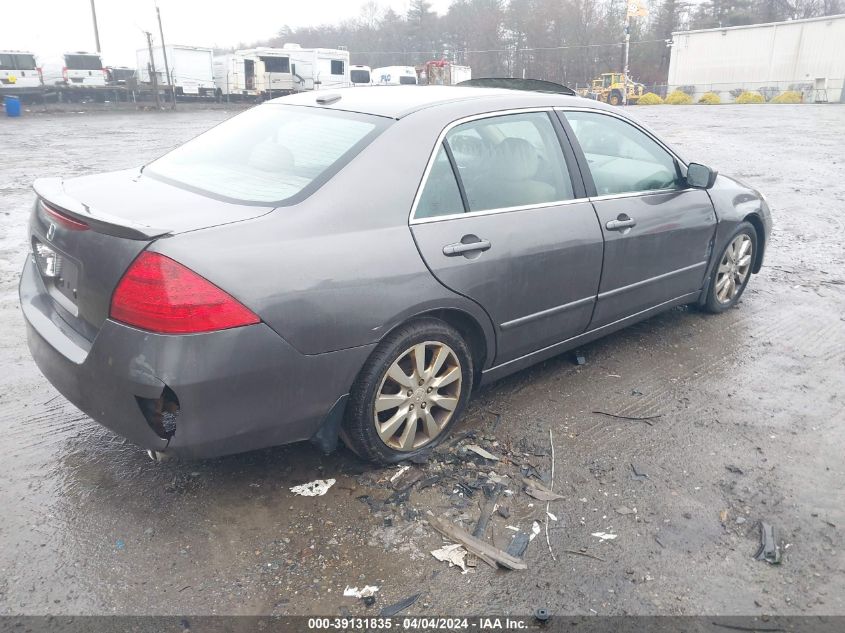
(59, 272)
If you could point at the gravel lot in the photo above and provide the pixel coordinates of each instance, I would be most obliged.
(752, 427)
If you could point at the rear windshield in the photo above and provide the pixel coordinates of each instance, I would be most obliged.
(272, 154)
(359, 76)
(83, 62)
(16, 62)
(407, 80)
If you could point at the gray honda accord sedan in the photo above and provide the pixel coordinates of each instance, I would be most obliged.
(352, 264)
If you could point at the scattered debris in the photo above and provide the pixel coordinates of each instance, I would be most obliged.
(316, 488)
(740, 520)
(625, 510)
(454, 554)
(519, 543)
(539, 491)
(723, 517)
(579, 359)
(366, 591)
(734, 469)
(399, 473)
(659, 542)
(486, 552)
(604, 536)
(647, 419)
(770, 547)
(504, 512)
(483, 453)
(398, 607)
(551, 516)
(588, 555)
(535, 530)
(487, 511)
(639, 473)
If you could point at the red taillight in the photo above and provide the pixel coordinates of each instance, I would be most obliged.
(161, 295)
(64, 220)
(64, 73)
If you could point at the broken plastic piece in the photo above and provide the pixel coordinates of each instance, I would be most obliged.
(367, 591)
(316, 488)
(770, 548)
(454, 554)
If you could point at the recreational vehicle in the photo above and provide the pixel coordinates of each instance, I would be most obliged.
(255, 72)
(394, 76)
(318, 68)
(190, 67)
(18, 72)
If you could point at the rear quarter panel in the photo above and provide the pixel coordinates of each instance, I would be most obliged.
(341, 268)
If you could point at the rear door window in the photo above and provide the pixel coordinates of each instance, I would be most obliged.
(441, 195)
(512, 160)
(272, 154)
(622, 158)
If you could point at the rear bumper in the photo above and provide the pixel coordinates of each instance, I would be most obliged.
(238, 389)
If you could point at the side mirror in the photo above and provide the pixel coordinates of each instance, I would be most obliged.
(700, 176)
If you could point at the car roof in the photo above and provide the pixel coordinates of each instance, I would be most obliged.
(399, 101)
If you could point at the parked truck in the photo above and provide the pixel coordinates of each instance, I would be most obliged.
(79, 71)
(442, 72)
(19, 73)
(258, 73)
(191, 68)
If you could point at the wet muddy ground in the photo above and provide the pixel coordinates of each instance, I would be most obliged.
(751, 428)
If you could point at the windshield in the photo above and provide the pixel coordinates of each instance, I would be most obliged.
(272, 154)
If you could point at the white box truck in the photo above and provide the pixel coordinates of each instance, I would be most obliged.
(256, 73)
(191, 68)
(318, 68)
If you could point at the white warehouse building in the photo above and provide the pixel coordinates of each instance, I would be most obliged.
(804, 55)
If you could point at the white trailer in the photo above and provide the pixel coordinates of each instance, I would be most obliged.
(318, 68)
(803, 55)
(256, 72)
(191, 68)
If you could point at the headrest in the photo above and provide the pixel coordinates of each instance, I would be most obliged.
(515, 159)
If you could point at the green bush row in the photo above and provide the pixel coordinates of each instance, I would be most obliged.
(678, 97)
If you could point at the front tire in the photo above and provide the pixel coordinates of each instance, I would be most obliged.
(410, 392)
(733, 270)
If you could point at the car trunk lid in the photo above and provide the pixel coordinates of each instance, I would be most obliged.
(85, 233)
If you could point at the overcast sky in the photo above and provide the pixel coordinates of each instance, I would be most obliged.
(52, 27)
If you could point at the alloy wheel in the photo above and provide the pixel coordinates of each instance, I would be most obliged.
(734, 268)
(418, 396)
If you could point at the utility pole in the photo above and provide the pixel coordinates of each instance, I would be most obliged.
(96, 30)
(170, 86)
(625, 64)
(151, 68)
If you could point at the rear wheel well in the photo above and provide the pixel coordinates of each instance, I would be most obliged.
(469, 329)
(757, 223)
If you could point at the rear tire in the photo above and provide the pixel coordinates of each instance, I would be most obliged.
(615, 98)
(420, 379)
(732, 271)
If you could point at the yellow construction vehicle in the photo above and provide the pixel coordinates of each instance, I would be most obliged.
(611, 88)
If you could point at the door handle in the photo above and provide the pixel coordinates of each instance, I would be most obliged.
(461, 248)
(621, 223)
